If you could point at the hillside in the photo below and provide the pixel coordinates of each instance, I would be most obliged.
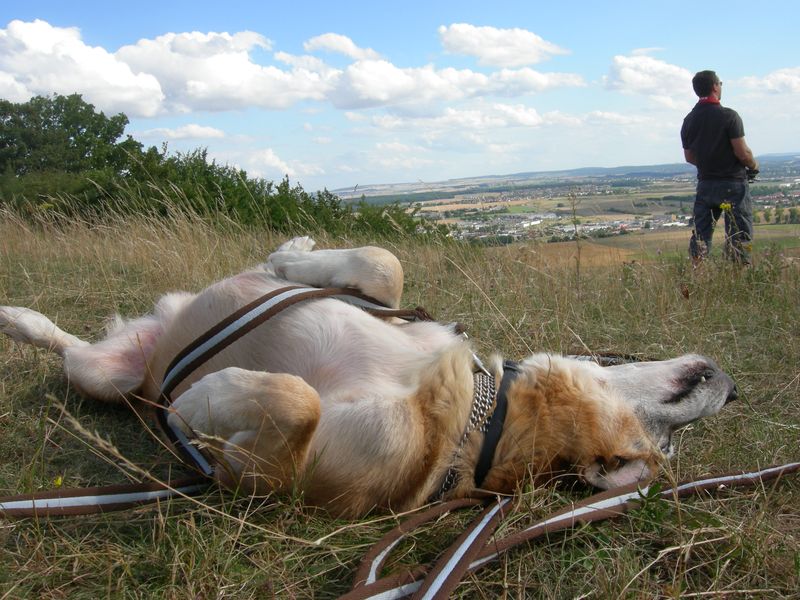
(772, 166)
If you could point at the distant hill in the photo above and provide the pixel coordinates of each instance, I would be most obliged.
(772, 166)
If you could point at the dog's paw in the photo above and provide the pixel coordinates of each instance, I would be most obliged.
(25, 325)
(257, 425)
(218, 405)
(298, 244)
(291, 252)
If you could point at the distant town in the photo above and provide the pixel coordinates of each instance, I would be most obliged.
(557, 206)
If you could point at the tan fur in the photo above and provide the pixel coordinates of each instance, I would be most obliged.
(559, 421)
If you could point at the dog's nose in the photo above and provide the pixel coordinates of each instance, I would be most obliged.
(733, 395)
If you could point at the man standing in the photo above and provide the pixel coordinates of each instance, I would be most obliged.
(713, 141)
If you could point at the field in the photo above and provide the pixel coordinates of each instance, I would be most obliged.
(658, 198)
(654, 246)
(635, 294)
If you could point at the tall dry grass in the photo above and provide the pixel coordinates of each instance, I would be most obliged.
(513, 299)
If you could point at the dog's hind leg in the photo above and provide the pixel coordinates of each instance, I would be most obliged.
(108, 370)
(30, 327)
(374, 271)
(259, 426)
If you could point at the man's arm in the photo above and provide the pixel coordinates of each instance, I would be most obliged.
(689, 156)
(743, 153)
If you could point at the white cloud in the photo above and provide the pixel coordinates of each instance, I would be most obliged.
(214, 71)
(481, 118)
(341, 44)
(665, 84)
(497, 47)
(519, 115)
(557, 117)
(394, 147)
(380, 83)
(397, 155)
(355, 117)
(782, 81)
(38, 58)
(310, 63)
(266, 163)
(600, 116)
(515, 82)
(267, 160)
(185, 72)
(323, 140)
(12, 89)
(184, 132)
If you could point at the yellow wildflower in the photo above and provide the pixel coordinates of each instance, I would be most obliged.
(725, 206)
(58, 481)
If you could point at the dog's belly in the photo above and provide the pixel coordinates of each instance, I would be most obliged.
(338, 349)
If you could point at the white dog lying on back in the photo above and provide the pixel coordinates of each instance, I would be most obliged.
(361, 413)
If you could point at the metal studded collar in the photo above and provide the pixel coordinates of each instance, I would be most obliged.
(482, 405)
(488, 415)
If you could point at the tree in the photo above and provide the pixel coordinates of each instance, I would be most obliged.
(61, 133)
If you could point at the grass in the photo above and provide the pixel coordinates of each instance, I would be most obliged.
(513, 299)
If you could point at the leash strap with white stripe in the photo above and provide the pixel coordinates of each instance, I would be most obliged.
(471, 550)
(85, 501)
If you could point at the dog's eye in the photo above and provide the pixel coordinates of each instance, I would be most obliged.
(700, 377)
(706, 375)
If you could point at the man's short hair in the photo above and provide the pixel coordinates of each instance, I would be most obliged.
(703, 82)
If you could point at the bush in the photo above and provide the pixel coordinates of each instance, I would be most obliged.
(58, 154)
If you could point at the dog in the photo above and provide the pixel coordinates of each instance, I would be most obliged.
(359, 413)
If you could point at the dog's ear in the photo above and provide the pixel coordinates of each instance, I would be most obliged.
(625, 472)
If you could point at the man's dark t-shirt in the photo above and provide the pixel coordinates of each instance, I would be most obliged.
(707, 131)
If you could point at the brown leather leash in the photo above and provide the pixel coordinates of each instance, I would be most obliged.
(84, 501)
(475, 547)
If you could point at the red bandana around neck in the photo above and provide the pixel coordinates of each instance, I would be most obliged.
(708, 100)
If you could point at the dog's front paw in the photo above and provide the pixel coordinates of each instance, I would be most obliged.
(214, 405)
(257, 425)
(298, 244)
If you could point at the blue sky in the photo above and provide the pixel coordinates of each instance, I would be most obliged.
(336, 94)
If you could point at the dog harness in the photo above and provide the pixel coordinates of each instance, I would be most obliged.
(237, 325)
(488, 408)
